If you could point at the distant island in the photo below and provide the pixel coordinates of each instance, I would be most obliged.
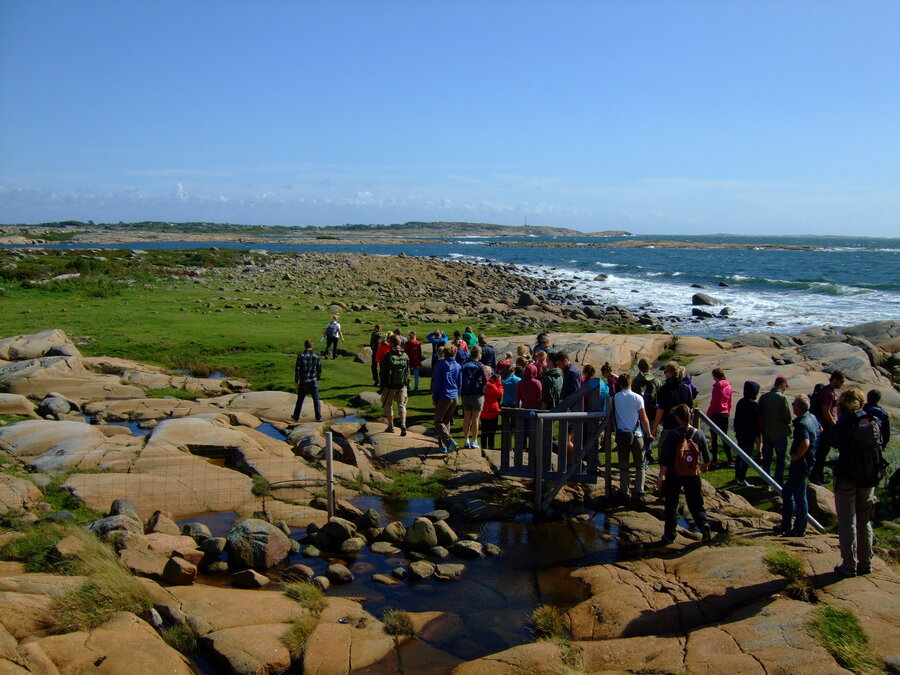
(76, 231)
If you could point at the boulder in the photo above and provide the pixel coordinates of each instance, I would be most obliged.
(18, 493)
(106, 526)
(704, 299)
(468, 549)
(445, 535)
(31, 346)
(421, 535)
(179, 572)
(248, 650)
(16, 404)
(249, 579)
(256, 544)
(821, 504)
(421, 569)
(338, 530)
(124, 507)
(298, 572)
(339, 574)
(162, 523)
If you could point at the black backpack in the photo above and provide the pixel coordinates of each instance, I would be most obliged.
(473, 379)
(866, 466)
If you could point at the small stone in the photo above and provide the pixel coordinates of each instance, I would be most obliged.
(449, 570)
(214, 546)
(339, 574)
(385, 579)
(384, 548)
(298, 571)
(492, 549)
(198, 531)
(322, 582)
(437, 515)
(468, 549)
(399, 572)
(217, 567)
(353, 545)
(250, 579)
(421, 569)
(311, 552)
(179, 572)
(439, 552)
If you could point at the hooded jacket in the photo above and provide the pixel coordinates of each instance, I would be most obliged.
(551, 387)
(528, 391)
(746, 413)
(720, 402)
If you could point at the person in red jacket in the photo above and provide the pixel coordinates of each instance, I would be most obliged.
(413, 349)
(718, 411)
(490, 413)
(529, 391)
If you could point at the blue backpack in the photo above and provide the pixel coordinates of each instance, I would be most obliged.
(474, 379)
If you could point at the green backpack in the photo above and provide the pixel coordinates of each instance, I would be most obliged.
(398, 370)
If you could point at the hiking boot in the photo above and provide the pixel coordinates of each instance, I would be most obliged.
(390, 429)
(844, 571)
(403, 430)
(706, 533)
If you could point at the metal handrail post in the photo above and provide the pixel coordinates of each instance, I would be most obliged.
(753, 465)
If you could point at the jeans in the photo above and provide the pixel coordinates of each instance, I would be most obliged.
(747, 444)
(793, 495)
(779, 447)
(331, 342)
(415, 372)
(304, 390)
(692, 495)
(855, 507)
(721, 421)
(627, 456)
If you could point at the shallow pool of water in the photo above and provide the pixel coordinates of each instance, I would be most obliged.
(494, 597)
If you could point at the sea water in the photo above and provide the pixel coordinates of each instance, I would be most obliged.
(839, 281)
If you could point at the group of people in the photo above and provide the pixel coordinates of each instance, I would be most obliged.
(466, 373)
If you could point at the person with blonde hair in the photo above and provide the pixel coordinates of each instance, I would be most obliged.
(853, 501)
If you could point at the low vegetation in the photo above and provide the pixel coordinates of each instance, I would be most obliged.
(182, 638)
(839, 631)
(547, 623)
(792, 568)
(397, 622)
(296, 637)
(308, 595)
(412, 485)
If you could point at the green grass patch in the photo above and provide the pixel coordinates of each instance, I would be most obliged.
(35, 549)
(792, 568)
(296, 637)
(412, 485)
(260, 486)
(12, 419)
(839, 631)
(182, 638)
(308, 595)
(397, 622)
(110, 588)
(63, 500)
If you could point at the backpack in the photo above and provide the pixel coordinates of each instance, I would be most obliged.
(866, 467)
(473, 379)
(647, 390)
(687, 454)
(398, 371)
(688, 382)
(815, 401)
(332, 329)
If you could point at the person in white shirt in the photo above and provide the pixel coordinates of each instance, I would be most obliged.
(631, 425)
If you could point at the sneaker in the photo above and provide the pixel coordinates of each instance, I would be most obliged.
(844, 572)
(390, 429)
(318, 419)
(453, 446)
(403, 430)
(475, 445)
(706, 533)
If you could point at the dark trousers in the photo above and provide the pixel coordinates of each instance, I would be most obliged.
(778, 448)
(331, 343)
(374, 370)
(721, 421)
(488, 431)
(692, 495)
(793, 495)
(304, 390)
(748, 445)
(817, 475)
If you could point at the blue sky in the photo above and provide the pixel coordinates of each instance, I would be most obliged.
(652, 116)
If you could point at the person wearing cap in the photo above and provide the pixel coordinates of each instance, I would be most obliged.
(775, 411)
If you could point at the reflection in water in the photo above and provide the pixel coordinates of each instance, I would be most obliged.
(495, 596)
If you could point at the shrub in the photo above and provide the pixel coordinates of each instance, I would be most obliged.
(308, 595)
(296, 636)
(260, 486)
(547, 623)
(397, 622)
(839, 631)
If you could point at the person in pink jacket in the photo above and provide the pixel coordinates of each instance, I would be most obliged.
(718, 411)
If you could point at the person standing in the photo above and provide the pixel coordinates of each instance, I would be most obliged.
(795, 510)
(873, 398)
(490, 413)
(394, 377)
(488, 355)
(333, 333)
(438, 339)
(854, 501)
(631, 426)
(375, 340)
(776, 422)
(510, 381)
(748, 429)
(826, 411)
(572, 378)
(683, 456)
(529, 390)
(551, 384)
(718, 411)
(307, 373)
(646, 386)
(672, 393)
(474, 379)
(446, 380)
(413, 349)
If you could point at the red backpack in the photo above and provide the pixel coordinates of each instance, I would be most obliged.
(687, 454)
